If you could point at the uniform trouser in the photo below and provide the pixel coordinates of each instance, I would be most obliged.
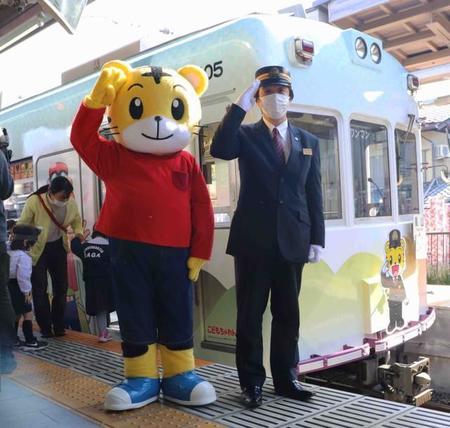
(255, 278)
(7, 315)
(54, 260)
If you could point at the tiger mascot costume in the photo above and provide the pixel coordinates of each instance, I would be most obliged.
(158, 216)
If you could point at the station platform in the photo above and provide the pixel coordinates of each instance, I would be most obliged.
(72, 375)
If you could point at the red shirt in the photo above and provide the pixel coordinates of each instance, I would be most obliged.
(160, 200)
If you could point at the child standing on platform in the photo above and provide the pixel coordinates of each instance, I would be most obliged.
(97, 276)
(23, 237)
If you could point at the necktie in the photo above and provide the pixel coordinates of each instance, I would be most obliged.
(278, 144)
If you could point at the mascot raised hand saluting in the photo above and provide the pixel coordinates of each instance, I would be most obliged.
(158, 215)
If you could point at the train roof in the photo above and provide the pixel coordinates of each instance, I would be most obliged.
(243, 45)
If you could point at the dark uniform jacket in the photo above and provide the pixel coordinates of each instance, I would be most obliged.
(97, 273)
(280, 209)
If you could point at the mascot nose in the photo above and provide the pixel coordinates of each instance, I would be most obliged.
(158, 118)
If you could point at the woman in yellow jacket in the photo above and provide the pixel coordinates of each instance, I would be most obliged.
(53, 210)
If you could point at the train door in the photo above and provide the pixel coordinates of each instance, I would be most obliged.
(215, 326)
(69, 164)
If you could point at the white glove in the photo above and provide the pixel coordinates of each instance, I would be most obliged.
(247, 99)
(315, 253)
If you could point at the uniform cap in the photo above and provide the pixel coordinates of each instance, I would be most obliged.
(273, 75)
(394, 238)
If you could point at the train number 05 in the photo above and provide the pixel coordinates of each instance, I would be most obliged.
(214, 70)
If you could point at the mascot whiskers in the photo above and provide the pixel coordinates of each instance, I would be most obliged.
(158, 215)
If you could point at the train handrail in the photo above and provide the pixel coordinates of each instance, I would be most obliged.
(353, 353)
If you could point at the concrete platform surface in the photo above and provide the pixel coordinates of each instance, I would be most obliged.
(22, 407)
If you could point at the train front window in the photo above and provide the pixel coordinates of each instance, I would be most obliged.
(371, 183)
(217, 176)
(325, 129)
(406, 162)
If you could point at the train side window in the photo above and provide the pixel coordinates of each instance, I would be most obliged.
(371, 183)
(59, 163)
(406, 162)
(217, 176)
(325, 129)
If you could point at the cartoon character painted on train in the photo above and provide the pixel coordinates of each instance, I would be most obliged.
(158, 217)
(392, 279)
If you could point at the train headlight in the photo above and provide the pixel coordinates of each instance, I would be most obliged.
(303, 51)
(375, 53)
(361, 47)
(412, 82)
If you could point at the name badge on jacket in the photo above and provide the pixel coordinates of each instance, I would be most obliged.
(307, 151)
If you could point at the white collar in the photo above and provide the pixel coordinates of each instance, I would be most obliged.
(282, 127)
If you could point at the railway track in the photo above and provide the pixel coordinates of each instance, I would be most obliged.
(344, 381)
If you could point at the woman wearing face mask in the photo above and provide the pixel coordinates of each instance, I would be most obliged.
(53, 210)
(277, 227)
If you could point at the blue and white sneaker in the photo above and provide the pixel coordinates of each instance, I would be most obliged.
(188, 389)
(132, 393)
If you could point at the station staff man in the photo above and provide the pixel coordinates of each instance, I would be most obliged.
(277, 227)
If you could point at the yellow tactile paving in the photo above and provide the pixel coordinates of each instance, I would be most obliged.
(153, 415)
(85, 396)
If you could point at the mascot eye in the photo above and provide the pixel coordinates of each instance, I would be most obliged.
(399, 258)
(177, 109)
(136, 108)
(391, 260)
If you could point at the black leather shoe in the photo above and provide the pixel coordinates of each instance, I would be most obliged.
(251, 396)
(296, 391)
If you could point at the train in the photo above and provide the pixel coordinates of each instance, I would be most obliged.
(368, 294)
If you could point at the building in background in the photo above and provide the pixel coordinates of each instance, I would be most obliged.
(417, 33)
(436, 140)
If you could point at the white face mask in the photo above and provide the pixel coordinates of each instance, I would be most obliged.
(275, 106)
(56, 203)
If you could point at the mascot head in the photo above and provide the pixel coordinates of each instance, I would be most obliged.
(156, 109)
(395, 250)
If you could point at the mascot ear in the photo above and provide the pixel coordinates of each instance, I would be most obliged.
(118, 64)
(196, 77)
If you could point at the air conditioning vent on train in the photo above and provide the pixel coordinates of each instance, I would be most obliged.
(442, 151)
